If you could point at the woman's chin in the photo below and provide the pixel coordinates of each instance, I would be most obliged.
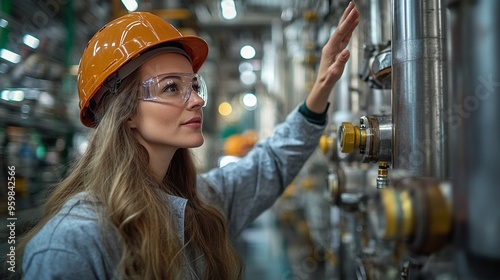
(195, 143)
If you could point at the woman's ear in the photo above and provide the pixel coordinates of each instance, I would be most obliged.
(131, 123)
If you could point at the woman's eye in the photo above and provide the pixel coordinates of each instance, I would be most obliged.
(196, 87)
(170, 88)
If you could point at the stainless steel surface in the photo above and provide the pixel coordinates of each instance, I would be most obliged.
(475, 133)
(378, 138)
(419, 87)
(366, 150)
(379, 102)
(385, 137)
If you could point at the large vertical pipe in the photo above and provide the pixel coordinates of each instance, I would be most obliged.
(475, 134)
(419, 73)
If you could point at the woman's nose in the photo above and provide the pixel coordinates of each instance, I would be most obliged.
(195, 100)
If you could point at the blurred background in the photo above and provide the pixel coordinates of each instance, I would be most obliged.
(403, 184)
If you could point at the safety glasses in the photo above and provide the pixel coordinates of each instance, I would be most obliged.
(174, 88)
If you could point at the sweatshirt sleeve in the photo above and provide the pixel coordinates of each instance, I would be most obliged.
(246, 188)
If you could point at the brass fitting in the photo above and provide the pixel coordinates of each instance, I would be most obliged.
(310, 15)
(383, 175)
(351, 137)
(373, 138)
(397, 214)
(326, 144)
(417, 211)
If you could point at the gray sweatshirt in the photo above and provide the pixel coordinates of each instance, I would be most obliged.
(71, 246)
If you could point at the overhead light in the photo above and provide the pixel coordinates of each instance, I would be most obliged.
(245, 66)
(248, 77)
(46, 99)
(12, 95)
(130, 5)
(31, 41)
(3, 23)
(10, 56)
(287, 14)
(249, 101)
(225, 109)
(247, 52)
(228, 9)
(73, 70)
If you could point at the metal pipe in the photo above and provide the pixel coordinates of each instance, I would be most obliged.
(379, 21)
(342, 98)
(375, 19)
(419, 72)
(475, 133)
(379, 100)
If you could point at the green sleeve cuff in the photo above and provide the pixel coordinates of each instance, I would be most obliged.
(313, 117)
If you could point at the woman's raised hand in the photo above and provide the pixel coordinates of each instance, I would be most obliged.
(334, 56)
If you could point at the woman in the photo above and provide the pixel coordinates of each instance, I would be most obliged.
(133, 207)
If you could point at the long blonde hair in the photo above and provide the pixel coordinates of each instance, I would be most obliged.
(114, 171)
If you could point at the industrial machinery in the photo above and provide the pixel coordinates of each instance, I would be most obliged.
(412, 147)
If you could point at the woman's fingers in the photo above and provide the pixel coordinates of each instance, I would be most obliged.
(339, 64)
(348, 35)
(340, 38)
(347, 11)
(347, 25)
(334, 53)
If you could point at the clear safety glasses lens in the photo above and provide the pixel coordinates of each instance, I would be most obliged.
(175, 88)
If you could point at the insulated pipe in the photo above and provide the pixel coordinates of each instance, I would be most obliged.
(375, 19)
(342, 98)
(380, 21)
(419, 73)
(475, 133)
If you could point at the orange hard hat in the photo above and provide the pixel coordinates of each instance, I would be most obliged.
(127, 41)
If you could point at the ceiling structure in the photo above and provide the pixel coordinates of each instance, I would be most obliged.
(65, 26)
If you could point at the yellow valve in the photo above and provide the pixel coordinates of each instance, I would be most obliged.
(310, 45)
(408, 226)
(389, 215)
(398, 217)
(310, 59)
(350, 137)
(325, 144)
(417, 211)
(310, 15)
(290, 191)
(308, 184)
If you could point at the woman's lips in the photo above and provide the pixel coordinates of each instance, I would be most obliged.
(194, 122)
